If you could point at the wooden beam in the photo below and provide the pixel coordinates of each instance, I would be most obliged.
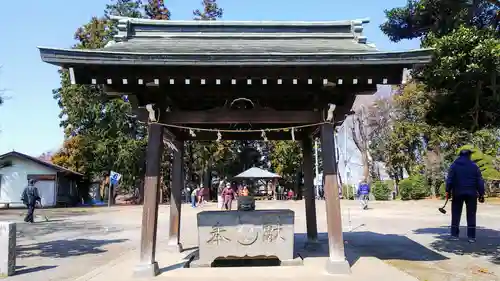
(174, 238)
(337, 263)
(148, 266)
(310, 198)
(210, 136)
(242, 117)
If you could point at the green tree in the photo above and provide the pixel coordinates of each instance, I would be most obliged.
(286, 159)
(156, 9)
(381, 190)
(124, 8)
(109, 138)
(73, 155)
(403, 139)
(414, 188)
(487, 140)
(408, 142)
(464, 73)
(486, 164)
(210, 11)
(419, 18)
(484, 161)
(465, 67)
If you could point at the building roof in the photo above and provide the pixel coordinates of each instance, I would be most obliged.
(257, 173)
(160, 42)
(39, 161)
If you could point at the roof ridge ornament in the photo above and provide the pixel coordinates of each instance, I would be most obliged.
(357, 30)
(124, 30)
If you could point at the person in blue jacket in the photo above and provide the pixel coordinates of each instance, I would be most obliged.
(363, 194)
(464, 184)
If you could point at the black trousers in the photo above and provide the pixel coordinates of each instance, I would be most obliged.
(456, 212)
(30, 215)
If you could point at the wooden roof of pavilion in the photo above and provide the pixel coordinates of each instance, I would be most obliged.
(162, 43)
(193, 67)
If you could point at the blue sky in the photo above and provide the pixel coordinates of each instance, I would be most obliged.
(29, 121)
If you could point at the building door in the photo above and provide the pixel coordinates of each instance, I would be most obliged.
(47, 191)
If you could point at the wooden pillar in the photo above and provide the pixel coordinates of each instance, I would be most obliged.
(148, 266)
(337, 263)
(310, 200)
(174, 242)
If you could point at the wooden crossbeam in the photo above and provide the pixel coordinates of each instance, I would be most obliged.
(211, 136)
(241, 117)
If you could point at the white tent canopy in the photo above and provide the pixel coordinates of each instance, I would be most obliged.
(257, 173)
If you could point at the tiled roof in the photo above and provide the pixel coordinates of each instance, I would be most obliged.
(38, 161)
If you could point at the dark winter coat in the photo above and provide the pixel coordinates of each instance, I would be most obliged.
(464, 178)
(30, 195)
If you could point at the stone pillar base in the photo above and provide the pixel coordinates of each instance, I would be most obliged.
(174, 248)
(7, 249)
(338, 267)
(146, 270)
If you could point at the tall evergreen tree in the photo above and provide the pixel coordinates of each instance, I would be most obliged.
(419, 18)
(210, 11)
(465, 67)
(156, 9)
(124, 8)
(108, 139)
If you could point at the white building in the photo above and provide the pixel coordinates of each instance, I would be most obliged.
(56, 185)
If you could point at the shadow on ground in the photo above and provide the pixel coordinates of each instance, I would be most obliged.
(487, 244)
(49, 212)
(20, 270)
(369, 244)
(65, 248)
(39, 229)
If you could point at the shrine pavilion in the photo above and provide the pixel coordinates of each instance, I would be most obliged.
(209, 80)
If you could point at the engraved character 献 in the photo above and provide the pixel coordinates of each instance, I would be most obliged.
(272, 231)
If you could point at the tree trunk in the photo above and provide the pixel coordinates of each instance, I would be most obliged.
(191, 172)
(366, 166)
(433, 187)
(160, 198)
(208, 177)
(477, 107)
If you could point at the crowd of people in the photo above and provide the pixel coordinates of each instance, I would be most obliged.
(226, 193)
(226, 190)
